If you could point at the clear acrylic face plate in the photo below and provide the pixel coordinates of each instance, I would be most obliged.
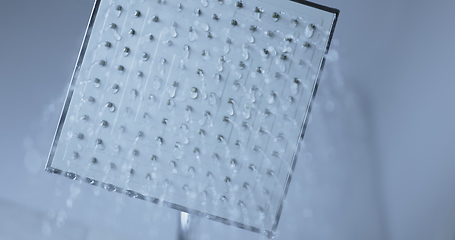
(196, 105)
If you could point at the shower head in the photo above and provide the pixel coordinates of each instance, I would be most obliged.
(195, 105)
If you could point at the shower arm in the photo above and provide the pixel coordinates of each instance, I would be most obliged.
(186, 226)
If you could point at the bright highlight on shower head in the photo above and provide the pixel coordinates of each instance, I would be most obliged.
(196, 105)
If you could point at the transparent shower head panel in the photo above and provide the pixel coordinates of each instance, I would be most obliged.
(196, 105)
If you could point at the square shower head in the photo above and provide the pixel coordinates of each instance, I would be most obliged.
(196, 105)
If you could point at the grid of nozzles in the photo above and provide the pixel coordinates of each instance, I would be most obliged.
(203, 106)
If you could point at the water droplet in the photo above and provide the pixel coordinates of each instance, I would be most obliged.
(193, 93)
(179, 7)
(212, 99)
(217, 77)
(184, 128)
(188, 113)
(112, 166)
(204, 3)
(107, 44)
(207, 116)
(174, 30)
(104, 124)
(172, 90)
(145, 57)
(265, 114)
(236, 85)
(155, 18)
(205, 27)
(102, 63)
(245, 52)
(119, 9)
(309, 30)
(227, 46)
(178, 151)
(173, 164)
(245, 126)
(90, 100)
(287, 104)
(241, 65)
(247, 111)
(117, 148)
(170, 104)
(167, 183)
(252, 167)
(135, 152)
(135, 93)
(220, 66)
(148, 176)
(131, 194)
(90, 181)
(197, 12)
(294, 23)
(276, 154)
(109, 187)
(120, 68)
(168, 43)
(226, 119)
(111, 107)
(96, 82)
(186, 50)
(115, 88)
(181, 65)
(231, 108)
(233, 162)
(71, 176)
(203, 92)
(99, 144)
(252, 93)
(281, 64)
(161, 67)
(156, 83)
(151, 98)
(272, 97)
(159, 140)
(295, 87)
(193, 35)
(259, 70)
(205, 55)
(191, 171)
(80, 136)
(275, 16)
(114, 30)
(150, 37)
